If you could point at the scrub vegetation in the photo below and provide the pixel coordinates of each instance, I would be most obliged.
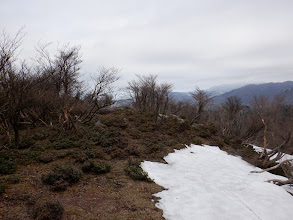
(67, 152)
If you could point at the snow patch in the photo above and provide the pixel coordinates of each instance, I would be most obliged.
(260, 150)
(204, 182)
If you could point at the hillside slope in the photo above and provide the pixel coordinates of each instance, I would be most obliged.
(70, 167)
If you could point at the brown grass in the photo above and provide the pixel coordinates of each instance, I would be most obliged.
(110, 196)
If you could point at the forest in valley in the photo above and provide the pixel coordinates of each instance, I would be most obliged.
(66, 148)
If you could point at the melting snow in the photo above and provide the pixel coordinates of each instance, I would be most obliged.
(206, 183)
(285, 156)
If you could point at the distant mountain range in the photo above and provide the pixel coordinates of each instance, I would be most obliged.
(182, 97)
(221, 89)
(246, 93)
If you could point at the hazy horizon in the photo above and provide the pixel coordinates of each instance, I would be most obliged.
(188, 43)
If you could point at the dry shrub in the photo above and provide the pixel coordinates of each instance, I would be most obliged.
(97, 167)
(7, 163)
(50, 210)
(62, 176)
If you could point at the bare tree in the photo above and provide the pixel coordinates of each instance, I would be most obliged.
(8, 48)
(270, 114)
(261, 106)
(17, 84)
(102, 94)
(67, 63)
(142, 92)
(63, 69)
(231, 107)
(60, 74)
(251, 126)
(202, 99)
(12, 84)
(147, 94)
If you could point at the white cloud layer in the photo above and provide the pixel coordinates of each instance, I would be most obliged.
(188, 43)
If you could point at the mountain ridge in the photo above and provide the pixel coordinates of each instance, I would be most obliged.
(245, 92)
(270, 90)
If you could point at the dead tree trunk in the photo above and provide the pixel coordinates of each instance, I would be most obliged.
(286, 166)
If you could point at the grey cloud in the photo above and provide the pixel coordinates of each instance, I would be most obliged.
(165, 57)
(188, 43)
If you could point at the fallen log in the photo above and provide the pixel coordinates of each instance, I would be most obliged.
(272, 168)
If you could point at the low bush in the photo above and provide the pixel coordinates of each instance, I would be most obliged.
(63, 154)
(41, 135)
(154, 148)
(134, 170)
(13, 179)
(2, 188)
(40, 146)
(90, 153)
(108, 136)
(62, 175)
(7, 166)
(182, 126)
(218, 141)
(149, 126)
(25, 143)
(136, 134)
(197, 141)
(96, 167)
(134, 150)
(81, 157)
(50, 210)
(115, 152)
(20, 197)
(29, 156)
(62, 144)
(116, 120)
(47, 157)
(60, 185)
(90, 124)
(169, 142)
(85, 143)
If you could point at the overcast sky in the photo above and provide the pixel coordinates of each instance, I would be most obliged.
(185, 42)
